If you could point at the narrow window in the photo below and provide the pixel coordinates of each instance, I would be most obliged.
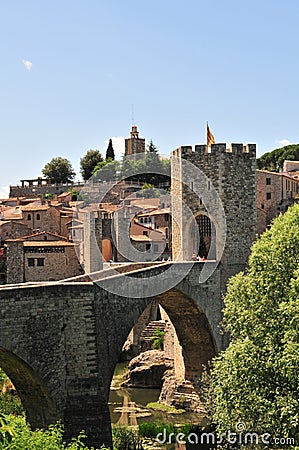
(268, 195)
(30, 262)
(37, 216)
(29, 217)
(40, 262)
(268, 181)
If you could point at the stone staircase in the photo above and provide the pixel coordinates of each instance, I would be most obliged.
(148, 333)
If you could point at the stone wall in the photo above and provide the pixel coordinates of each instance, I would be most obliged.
(92, 243)
(26, 191)
(172, 348)
(15, 262)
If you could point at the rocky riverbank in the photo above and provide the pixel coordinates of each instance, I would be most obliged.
(151, 369)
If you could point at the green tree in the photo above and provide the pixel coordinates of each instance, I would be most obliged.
(59, 170)
(256, 380)
(106, 170)
(152, 148)
(274, 160)
(110, 151)
(88, 162)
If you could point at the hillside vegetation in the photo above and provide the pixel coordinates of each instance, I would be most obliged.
(274, 160)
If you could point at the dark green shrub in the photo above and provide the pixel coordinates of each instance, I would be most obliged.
(158, 339)
(126, 439)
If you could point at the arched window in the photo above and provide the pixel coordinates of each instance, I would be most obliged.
(28, 216)
(37, 216)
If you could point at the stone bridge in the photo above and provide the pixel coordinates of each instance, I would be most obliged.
(60, 342)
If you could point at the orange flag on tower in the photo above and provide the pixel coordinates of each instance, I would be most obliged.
(210, 137)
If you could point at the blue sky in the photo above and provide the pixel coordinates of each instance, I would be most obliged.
(233, 63)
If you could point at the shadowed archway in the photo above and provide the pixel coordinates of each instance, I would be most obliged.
(37, 403)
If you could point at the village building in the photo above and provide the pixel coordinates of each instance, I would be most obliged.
(291, 168)
(41, 257)
(276, 191)
(159, 220)
(148, 240)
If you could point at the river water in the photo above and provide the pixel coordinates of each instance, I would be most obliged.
(128, 405)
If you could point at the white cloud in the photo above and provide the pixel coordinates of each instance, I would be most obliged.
(118, 146)
(4, 192)
(284, 142)
(27, 64)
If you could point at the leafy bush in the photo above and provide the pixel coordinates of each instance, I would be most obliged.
(15, 434)
(126, 439)
(11, 404)
(158, 339)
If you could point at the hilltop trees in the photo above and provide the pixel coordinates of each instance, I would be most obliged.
(89, 162)
(256, 380)
(59, 170)
(148, 167)
(274, 160)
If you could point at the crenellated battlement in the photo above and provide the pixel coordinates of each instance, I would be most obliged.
(215, 150)
(231, 171)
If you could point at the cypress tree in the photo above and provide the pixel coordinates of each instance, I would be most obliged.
(110, 151)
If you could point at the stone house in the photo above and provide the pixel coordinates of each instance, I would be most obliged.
(275, 193)
(41, 257)
(42, 217)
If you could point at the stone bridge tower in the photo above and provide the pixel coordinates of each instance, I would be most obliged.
(232, 173)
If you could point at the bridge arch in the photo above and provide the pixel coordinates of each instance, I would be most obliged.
(191, 324)
(192, 328)
(37, 403)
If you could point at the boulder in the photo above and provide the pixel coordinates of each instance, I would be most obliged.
(147, 370)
